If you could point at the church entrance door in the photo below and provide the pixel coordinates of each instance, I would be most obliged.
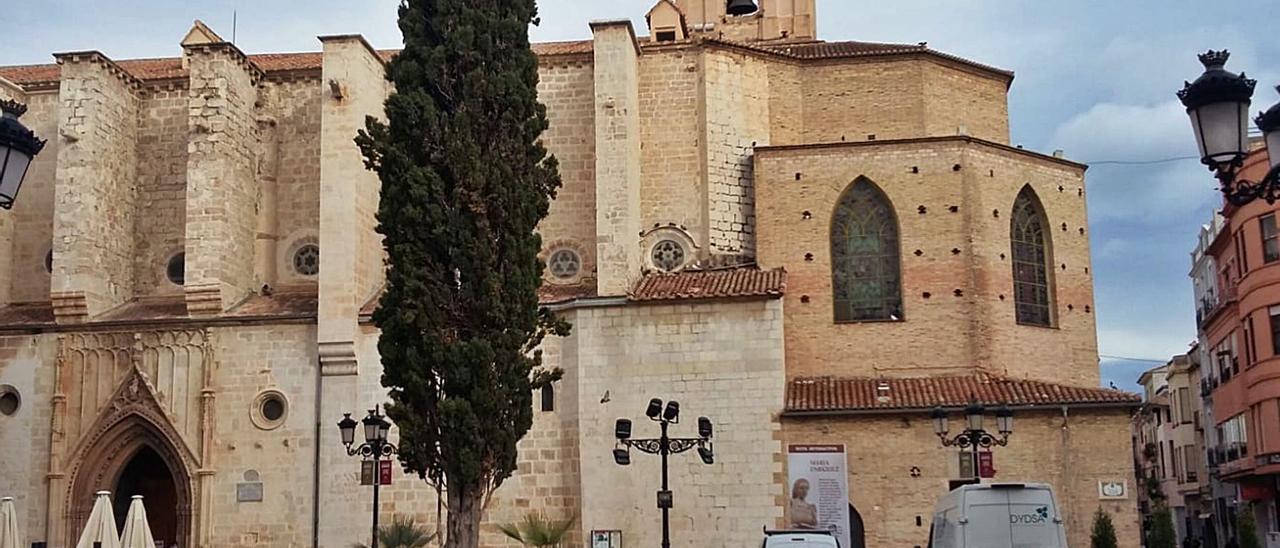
(146, 474)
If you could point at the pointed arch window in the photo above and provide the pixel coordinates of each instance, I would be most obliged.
(866, 267)
(1032, 254)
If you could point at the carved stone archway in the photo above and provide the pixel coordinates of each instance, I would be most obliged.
(131, 421)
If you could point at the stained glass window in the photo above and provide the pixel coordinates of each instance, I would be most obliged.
(1031, 284)
(865, 263)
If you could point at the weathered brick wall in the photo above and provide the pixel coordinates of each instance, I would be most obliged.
(567, 90)
(851, 100)
(1072, 450)
(162, 187)
(297, 105)
(96, 189)
(32, 213)
(694, 353)
(786, 103)
(958, 100)
(1068, 352)
(955, 264)
(617, 118)
(672, 189)
(737, 120)
(222, 191)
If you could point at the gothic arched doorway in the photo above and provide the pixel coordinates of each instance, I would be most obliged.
(134, 456)
(147, 475)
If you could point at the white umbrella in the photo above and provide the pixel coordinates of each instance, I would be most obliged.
(101, 526)
(137, 533)
(8, 524)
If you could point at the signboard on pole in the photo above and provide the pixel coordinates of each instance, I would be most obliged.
(818, 489)
(384, 472)
(986, 464)
(366, 472)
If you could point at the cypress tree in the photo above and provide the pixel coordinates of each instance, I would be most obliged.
(1247, 528)
(1162, 534)
(1104, 532)
(465, 182)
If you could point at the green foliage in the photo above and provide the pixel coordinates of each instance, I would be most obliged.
(1154, 491)
(1247, 528)
(465, 183)
(1104, 532)
(538, 531)
(402, 532)
(1162, 534)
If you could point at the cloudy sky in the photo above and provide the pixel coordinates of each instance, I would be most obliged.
(1095, 78)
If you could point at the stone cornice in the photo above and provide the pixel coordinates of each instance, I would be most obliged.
(96, 57)
(607, 23)
(961, 139)
(356, 37)
(255, 73)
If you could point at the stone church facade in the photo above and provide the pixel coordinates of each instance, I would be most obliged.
(809, 242)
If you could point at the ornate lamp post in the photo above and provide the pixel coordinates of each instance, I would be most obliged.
(974, 437)
(375, 448)
(663, 446)
(18, 145)
(1218, 104)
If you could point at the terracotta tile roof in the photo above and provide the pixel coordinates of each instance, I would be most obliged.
(837, 50)
(834, 395)
(711, 284)
(26, 315)
(554, 294)
(564, 48)
(169, 307)
(174, 307)
(281, 303)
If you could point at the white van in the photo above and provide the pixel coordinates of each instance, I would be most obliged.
(1016, 515)
(799, 538)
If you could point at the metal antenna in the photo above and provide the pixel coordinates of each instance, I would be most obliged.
(233, 26)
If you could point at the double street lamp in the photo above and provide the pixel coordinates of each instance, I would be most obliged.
(375, 448)
(663, 446)
(18, 145)
(1218, 104)
(974, 437)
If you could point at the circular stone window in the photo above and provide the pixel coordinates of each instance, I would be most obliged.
(564, 264)
(176, 270)
(306, 260)
(10, 400)
(668, 255)
(269, 410)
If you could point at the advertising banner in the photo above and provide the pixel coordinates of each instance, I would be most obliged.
(818, 494)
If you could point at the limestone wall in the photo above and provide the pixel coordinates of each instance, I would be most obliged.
(296, 109)
(32, 213)
(567, 90)
(723, 360)
(618, 166)
(95, 193)
(26, 365)
(672, 189)
(737, 120)
(956, 271)
(1072, 450)
(162, 188)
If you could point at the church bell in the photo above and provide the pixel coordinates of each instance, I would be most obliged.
(741, 7)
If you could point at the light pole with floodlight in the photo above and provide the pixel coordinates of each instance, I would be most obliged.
(375, 448)
(974, 437)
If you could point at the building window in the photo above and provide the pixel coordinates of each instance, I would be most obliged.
(1031, 258)
(1275, 330)
(668, 255)
(1184, 405)
(666, 36)
(10, 400)
(548, 398)
(865, 257)
(564, 264)
(306, 260)
(269, 410)
(1270, 239)
(176, 269)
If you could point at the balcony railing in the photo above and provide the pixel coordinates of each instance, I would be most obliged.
(1209, 307)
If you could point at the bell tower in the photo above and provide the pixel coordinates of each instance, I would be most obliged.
(751, 20)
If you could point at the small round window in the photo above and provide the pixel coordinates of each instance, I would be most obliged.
(10, 400)
(668, 255)
(564, 264)
(270, 409)
(176, 270)
(306, 260)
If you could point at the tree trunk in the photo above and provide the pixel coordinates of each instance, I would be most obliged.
(465, 513)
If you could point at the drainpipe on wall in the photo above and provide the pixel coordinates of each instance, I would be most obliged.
(315, 473)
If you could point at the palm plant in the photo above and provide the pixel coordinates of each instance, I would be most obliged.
(538, 531)
(402, 532)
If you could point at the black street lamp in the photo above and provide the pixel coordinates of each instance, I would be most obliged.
(18, 145)
(375, 448)
(1218, 104)
(663, 446)
(974, 437)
